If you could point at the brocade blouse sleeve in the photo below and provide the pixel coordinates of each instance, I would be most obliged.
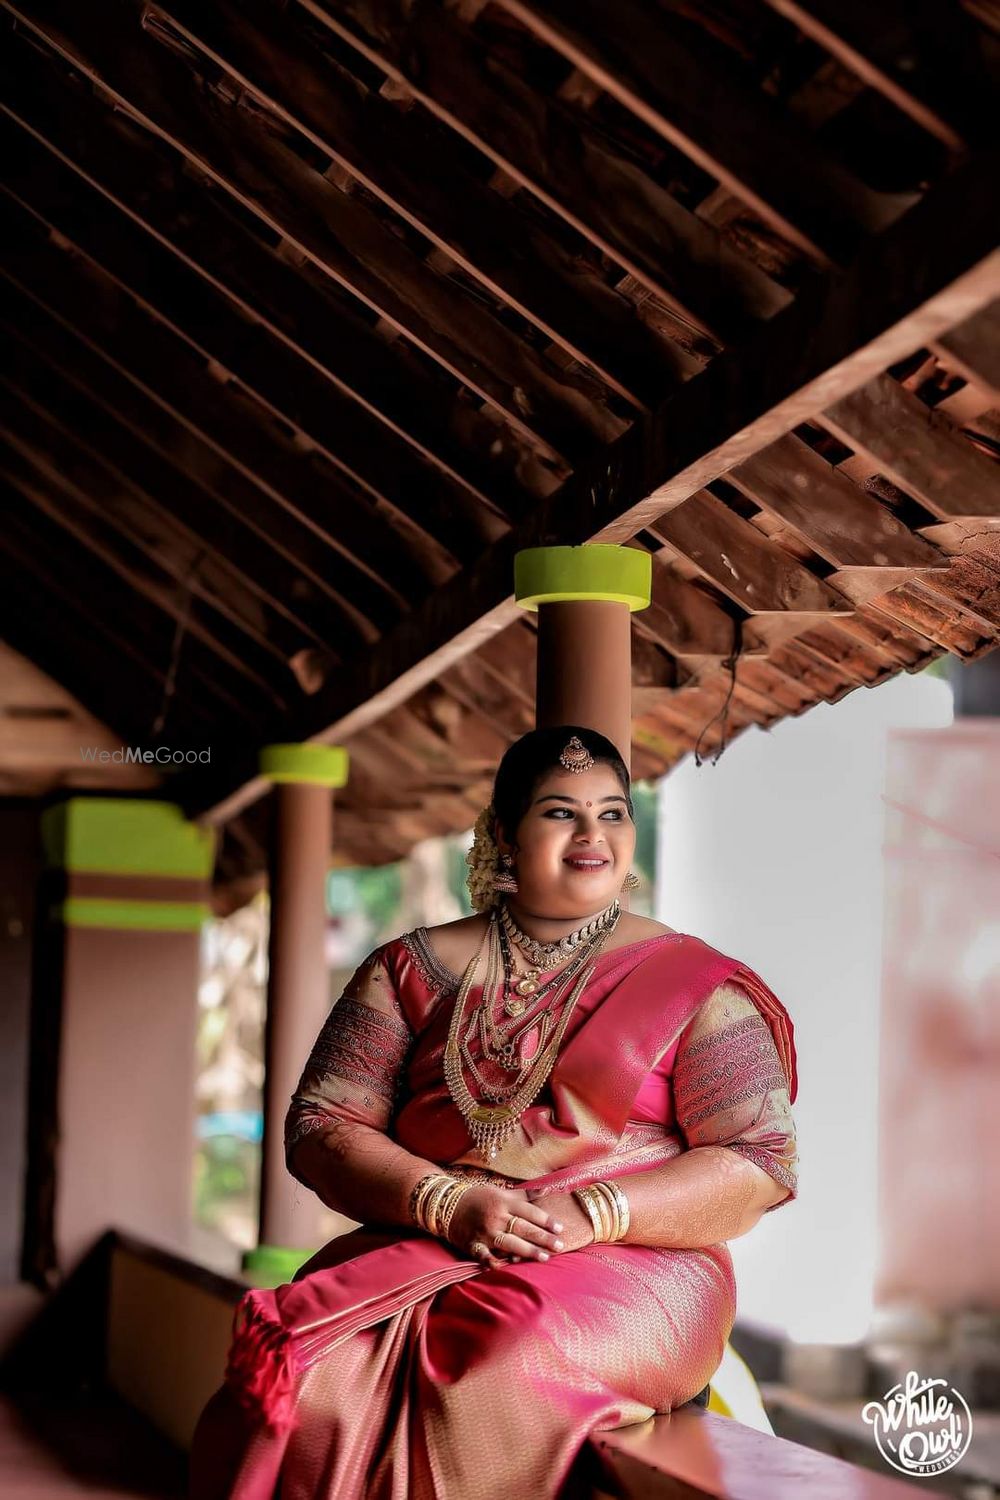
(354, 1073)
(731, 1090)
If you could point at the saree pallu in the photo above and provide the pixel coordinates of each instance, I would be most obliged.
(394, 1367)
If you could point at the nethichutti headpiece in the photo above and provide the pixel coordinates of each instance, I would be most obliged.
(576, 757)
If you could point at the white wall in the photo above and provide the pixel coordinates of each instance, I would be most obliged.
(774, 856)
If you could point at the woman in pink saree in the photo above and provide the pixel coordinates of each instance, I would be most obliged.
(548, 1119)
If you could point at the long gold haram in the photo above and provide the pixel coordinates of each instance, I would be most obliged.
(491, 1126)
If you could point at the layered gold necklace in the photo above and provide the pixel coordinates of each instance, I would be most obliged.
(491, 1124)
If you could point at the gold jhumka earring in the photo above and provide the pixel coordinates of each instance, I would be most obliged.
(631, 882)
(504, 880)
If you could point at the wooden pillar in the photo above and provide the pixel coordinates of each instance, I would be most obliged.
(114, 1027)
(584, 597)
(298, 997)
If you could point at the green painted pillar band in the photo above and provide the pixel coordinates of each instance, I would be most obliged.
(126, 836)
(133, 916)
(313, 765)
(558, 575)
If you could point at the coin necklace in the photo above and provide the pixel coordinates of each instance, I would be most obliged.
(491, 1126)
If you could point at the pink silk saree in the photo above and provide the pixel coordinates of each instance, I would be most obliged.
(396, 1368)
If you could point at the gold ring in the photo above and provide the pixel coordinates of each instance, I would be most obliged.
(477, 1248)
(510, 1223)
(498, 1240)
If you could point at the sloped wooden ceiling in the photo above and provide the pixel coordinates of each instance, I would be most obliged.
(315, 312)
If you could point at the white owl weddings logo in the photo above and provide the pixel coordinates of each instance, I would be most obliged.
(921, 1426)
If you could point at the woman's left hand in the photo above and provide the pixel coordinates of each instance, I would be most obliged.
(577, 1229)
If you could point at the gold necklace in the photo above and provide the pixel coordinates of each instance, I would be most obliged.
(491, 1126)
(542, 956)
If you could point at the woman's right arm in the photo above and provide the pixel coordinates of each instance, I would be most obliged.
(335, 1130)
(336, 1140)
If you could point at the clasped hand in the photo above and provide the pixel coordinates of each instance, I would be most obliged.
(550, 1226)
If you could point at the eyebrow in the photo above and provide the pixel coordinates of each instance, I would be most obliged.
(559, 797)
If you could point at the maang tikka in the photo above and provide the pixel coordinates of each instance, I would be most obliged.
(576, 757)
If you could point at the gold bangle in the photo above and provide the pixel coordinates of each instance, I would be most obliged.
(419, 1189)
(582, 1196)
(609, 1208)
(430, 1203)
(447, 1213)
(624, 1210)
(424, 1189)
(436, 1204)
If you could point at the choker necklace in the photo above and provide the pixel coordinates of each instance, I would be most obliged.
(543, 956)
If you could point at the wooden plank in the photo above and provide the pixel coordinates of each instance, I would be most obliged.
(841, 522)
(925, 57)
(697, 1453)
(434, 521)
(912, 282)
(157, 503)
(973, 348)
(682, 618)
(145, 178)
(414, 167)
(216, 667)
(660, 69)
(75, 582)
(741, 561)
(78, 491)
(917, 448)
(553, 150)
(345, 237)
(335, 520)
(160, 455)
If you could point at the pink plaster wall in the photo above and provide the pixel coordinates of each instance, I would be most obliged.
(126, 1086)
(939, 1065)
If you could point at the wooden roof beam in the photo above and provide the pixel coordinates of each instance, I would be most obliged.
(166, 460)
(435, 521)
(926, 58)
(553, 151)
(323, 509)
(655, 65)
(71, 581)
(145, 500)
(910, 284)
(338, 231)
(744, 563)
(918, 449)
(973, 348)
(325, 326)
(844, 524)
(79, 492)
(417, 172)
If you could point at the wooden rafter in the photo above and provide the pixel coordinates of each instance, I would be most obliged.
(437, 522)
(417, 172)
(144, 178)
(923, 56)
(157, 454)
(320, 506)
(660, 70)
(910, 284)
(335, 229)
(560, 157)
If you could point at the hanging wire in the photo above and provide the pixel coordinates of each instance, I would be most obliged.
(730, 662)
(180, 630)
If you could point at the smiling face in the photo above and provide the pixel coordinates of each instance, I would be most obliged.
(574, 845)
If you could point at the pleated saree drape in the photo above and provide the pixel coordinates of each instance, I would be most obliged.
(394, 1367)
